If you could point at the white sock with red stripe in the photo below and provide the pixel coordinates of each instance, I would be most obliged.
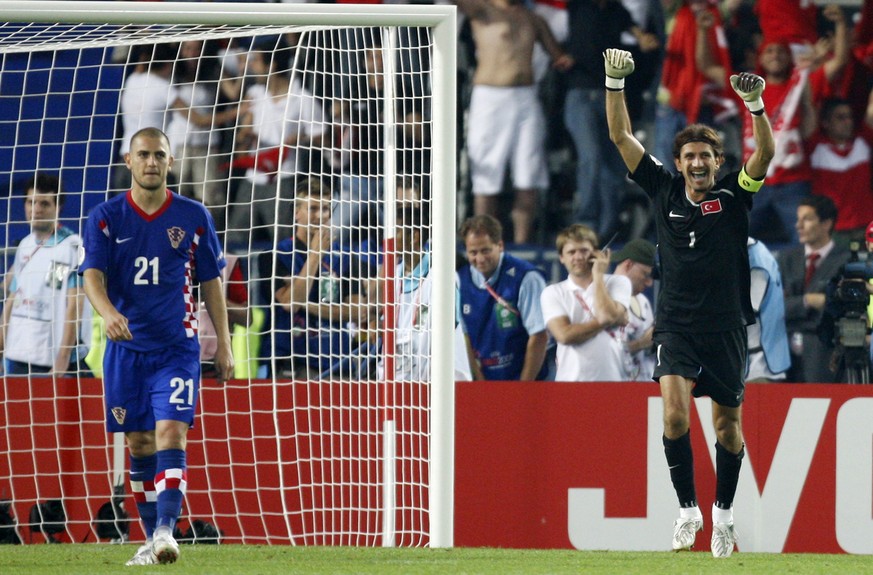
(142, 485)
(171, 481)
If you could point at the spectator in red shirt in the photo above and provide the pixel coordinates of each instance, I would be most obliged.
(694, 79)
(840, 157)
(792, 91)
(790, 22)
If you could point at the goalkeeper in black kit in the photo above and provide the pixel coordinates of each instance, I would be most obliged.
(703, 305)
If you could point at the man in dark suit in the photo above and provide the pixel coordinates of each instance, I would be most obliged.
(806, 271)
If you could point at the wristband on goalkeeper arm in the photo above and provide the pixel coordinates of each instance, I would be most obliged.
(756, 107)
(614, 84)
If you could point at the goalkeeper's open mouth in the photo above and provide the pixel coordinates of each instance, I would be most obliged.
(699, 178)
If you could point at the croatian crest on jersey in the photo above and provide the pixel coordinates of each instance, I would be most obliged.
(710, 207)
(176, 234)
(119, 413)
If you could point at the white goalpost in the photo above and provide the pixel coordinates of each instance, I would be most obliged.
(312, 133)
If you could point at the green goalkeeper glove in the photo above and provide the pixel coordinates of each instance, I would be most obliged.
(749, 87)
(619, 64)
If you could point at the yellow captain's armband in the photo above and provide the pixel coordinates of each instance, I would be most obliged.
(749, 183)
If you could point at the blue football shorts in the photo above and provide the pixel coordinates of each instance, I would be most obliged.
(141, 387)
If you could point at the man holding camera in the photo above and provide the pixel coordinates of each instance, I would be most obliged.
(868, 238)
(806, 271)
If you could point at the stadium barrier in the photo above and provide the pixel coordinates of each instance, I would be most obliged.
(538, 465)
(581, 465)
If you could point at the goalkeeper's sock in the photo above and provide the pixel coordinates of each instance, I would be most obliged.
(171, 480)
(142, 485)
(680, 460)
(727, 475)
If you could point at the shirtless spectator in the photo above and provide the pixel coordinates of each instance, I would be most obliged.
(506, 119)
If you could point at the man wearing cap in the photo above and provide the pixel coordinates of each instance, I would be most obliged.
(587, 312)
(636, 261)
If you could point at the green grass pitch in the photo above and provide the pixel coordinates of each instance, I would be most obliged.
(91, 559)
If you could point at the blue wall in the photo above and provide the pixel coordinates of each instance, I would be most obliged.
(57, 114)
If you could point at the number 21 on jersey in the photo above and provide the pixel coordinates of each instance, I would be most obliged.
(147, 272)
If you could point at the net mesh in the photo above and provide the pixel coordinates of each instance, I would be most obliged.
(292, 136)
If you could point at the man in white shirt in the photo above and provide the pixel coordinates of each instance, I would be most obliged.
(587, 312)
(636, 261)
(412, 295)
(44, 300)
(146, 100)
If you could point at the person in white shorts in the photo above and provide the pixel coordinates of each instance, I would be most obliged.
(506, 119)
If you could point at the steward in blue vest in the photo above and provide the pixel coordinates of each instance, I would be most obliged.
(493, 319)
(770, 313)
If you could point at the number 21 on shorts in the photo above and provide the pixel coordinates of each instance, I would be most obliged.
(183, 393)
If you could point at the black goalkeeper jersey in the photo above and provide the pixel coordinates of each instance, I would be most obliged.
(702, 251)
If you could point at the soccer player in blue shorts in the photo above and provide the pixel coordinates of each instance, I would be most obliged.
(144, 250)
(704, 304)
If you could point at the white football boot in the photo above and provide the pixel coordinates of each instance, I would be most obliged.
(685, 532)
(724, 537)
(143, 555)
(164, 547)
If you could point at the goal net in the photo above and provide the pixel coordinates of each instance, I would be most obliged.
(321, 139)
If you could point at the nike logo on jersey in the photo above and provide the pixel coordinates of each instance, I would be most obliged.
(180, 408)
(121, 241)
(675, 215)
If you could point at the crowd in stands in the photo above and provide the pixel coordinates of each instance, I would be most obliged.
(813, 210)
(533, 126)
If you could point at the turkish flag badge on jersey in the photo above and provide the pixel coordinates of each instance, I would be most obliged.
(710, 207)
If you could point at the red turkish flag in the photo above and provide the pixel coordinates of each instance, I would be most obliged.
(710, 207)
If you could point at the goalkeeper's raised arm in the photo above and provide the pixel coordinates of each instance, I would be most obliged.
(750, 87)
(619, 64)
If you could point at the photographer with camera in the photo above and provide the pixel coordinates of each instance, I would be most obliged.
(806, 271)
(868, 237)
(846, 320)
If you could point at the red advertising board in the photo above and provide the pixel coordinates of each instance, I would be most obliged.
(564, 465)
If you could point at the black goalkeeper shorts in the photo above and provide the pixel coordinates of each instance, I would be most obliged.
(715, 360)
